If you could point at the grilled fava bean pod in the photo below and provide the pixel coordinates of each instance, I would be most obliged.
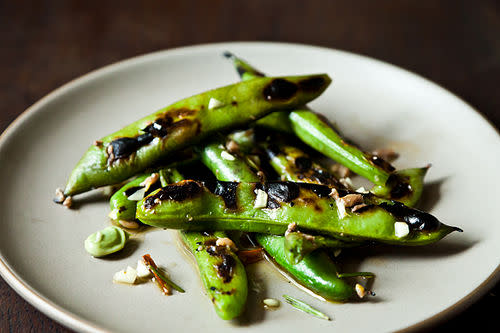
(222, 273)
(143, 143)
(317, 272)
(192, 205)
(404, 186)
(316, 268)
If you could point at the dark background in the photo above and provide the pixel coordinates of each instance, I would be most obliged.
(44, 44)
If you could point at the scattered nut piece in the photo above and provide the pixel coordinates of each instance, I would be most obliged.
(336, 253)
(214, 103)
(137, 195)
(232, 146)
(127, 276)
(260, 199)
(360, 290)
(341, 208)
(59, 196)
(334, 194)
(291, 228)
(150, 181)
(68, 202)
(271, 302)
(129, 224)
(350, 200)
(401, 229)
(226, 242)
(142, 270)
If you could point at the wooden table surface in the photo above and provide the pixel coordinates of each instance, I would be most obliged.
(44, 44)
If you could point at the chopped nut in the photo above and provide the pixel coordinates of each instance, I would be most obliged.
(386, 154)
(59, 196)
(401, 229)
(226, 242)
(341, 208)
(260, 199)
(271, 302)
(150, 180)
(214, 103)
(334, 193)
(129, 224)
(232, 146)
(350, 200)
(358, 207)
(291, 228)
(68, 202)
(142, 270)
(360, 290)
(127, 276)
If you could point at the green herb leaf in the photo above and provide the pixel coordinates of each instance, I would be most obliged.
(304, 307)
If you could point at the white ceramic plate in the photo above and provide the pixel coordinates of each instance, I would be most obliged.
(378, 105)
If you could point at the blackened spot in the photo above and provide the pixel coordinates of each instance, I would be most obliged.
(121, 209)
(156, 185)
(226, 266)
(226, 190)
(213, 288)
(312, 84)
(381, 163)
(303, 163)
(124, 147)
(272, 150)
(210, 242)
(282, 191)
(176, 192)
(234, 103)
(280, 90)
(159, 127)
(292, 204)
(128, 192)
(401, 190)
(416, 219)
(321, 191)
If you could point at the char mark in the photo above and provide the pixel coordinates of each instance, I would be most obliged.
(226, 190)
(312, 84)
(177, 192)
(225, 268)
(416, 219)
(280, 90)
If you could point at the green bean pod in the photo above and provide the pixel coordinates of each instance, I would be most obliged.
(145, 142)
(404, 186)
(221, 271)
(192, 205)
(316, 272)
(316, 269)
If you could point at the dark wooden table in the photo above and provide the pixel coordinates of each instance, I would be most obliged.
(44, 44)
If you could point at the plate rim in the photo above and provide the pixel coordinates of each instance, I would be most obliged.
(73, 321)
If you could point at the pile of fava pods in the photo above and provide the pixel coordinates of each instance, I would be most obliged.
(251, 159)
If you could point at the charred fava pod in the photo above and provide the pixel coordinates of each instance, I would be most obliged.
(222, 273)
(320, 209)
(138, 146)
